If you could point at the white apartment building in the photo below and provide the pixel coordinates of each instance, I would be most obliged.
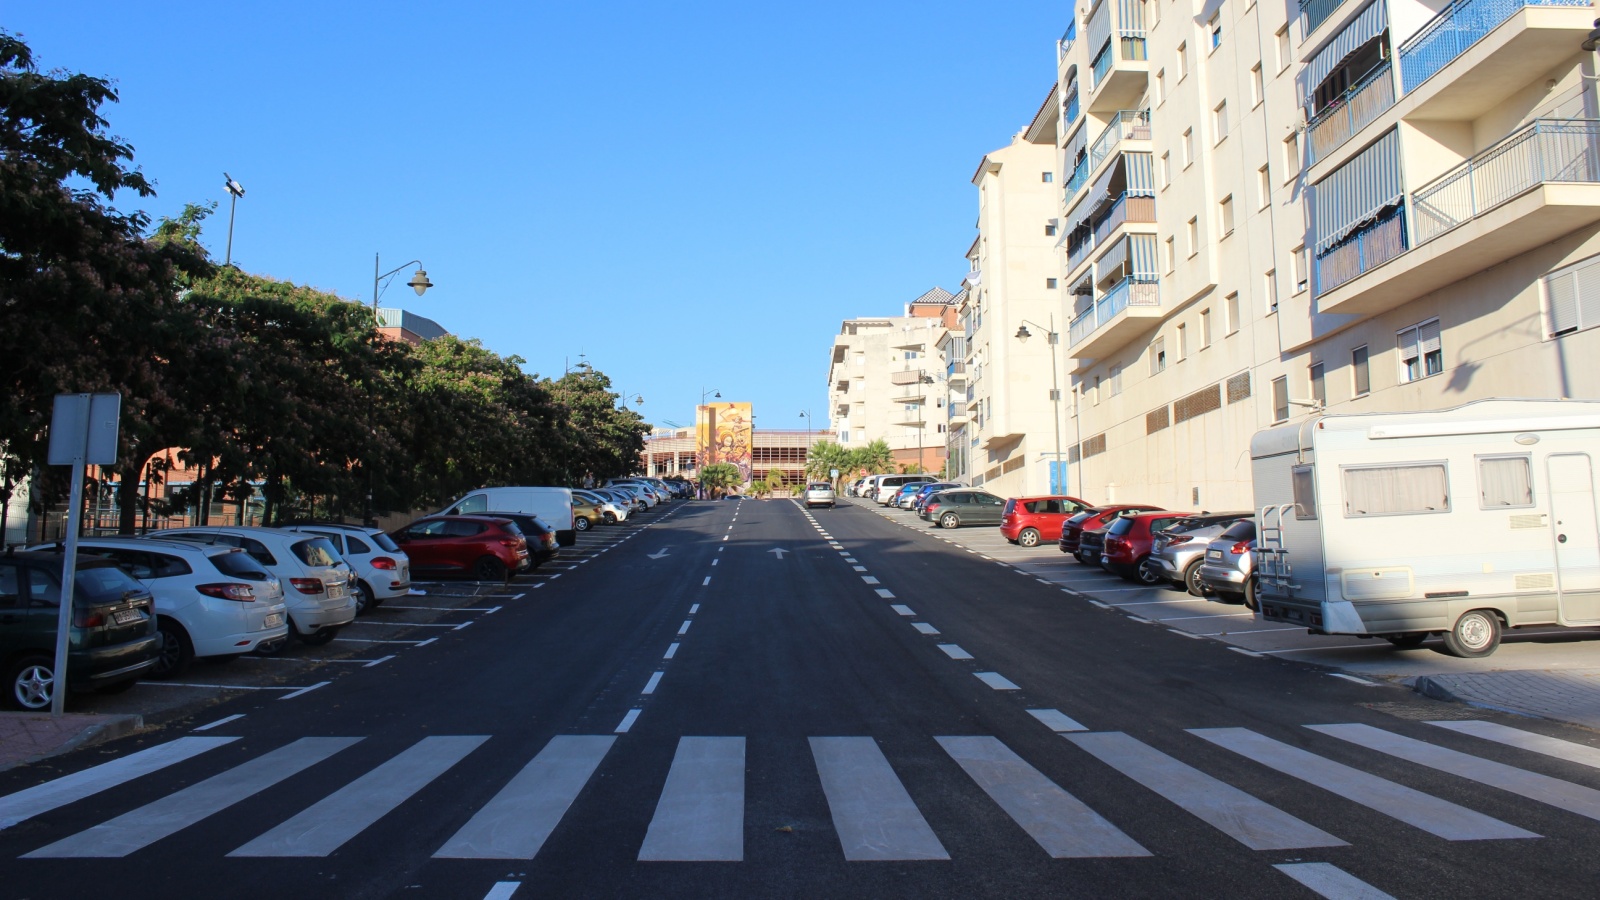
(1370, 205)
(1014, 321)
(886, 381)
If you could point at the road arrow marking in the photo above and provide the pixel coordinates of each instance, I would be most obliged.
(658, 554)
(778, 550)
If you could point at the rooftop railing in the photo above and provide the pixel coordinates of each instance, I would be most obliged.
(1457, 27)
(1068, 38)
(1366, 100)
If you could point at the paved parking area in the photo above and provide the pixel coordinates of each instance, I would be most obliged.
(1204, 618)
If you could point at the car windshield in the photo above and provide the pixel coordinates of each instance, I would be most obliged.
(1242, 530)
(316, 552)
(103, 584)
(385, 542)
(1120, 526)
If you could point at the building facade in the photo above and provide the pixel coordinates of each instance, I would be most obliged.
(673, 453)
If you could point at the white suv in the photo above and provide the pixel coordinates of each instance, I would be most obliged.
(383, 571)
(819, 493)
(316, 581)
(210, 601)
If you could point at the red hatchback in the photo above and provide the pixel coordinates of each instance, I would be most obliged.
(1029, 520)
(1093, 519)
(486, 547)
(1128, 543)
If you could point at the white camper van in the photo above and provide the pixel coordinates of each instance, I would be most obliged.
(552, 504)
(1460, 522)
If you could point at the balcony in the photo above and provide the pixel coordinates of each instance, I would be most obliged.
(1537, 184)
(1119, 62)
(1315, 12)
(1127, 209)
(1126, 125)
(956, 372)
(1072, 108)
(1078, 253)
(1078, 178)
(1068, 38)
(1130, 307)
(1501, 45)
(1365, 250)
(1362, 103)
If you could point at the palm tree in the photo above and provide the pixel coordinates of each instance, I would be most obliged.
(876, 458)
(825, 456)
(719, 476)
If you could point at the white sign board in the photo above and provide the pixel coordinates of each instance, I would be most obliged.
(84, 429)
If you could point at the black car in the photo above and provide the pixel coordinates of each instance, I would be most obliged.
(542, 544)
(952, 509)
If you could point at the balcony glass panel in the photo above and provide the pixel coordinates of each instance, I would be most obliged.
(1069, 112)
(1457, 27)
(1068, 38)
(1363, 251)
(1076, 180)
(1102, 62)
(1128, 292)
(1126, 125)
(1364, 102)
(1545, 150)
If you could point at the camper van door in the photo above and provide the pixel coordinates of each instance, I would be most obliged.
(1577, 537)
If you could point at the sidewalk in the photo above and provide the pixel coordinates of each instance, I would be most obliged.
(25, 737)
(1566, 695)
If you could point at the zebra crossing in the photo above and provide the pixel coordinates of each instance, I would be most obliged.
(700, 812)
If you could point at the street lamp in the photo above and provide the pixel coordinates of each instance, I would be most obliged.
(419, 281)
(1055, 386)
(805, 458)
(235, 191)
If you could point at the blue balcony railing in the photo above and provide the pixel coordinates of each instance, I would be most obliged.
(1078, 253)
(1068, 38)
(1102, 63)
(1457, 27)
(1069, 112)
(1366, 100)
(1363, 251)
(1080, 175)
(1132, 291)
(1315, 12)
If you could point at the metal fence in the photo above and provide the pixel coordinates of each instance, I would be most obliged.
(1068, 38)
(1544, 150)
(1315, 12)
(1363, 102)
(1457, 27)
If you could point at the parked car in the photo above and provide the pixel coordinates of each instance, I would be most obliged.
(612, 510)
(1083, 534)
(819, 493)
(904, 497)
(624, 499)
(113, 641)
(586, 513)
(1128, 541)
(487, 548)
(1179, 551)
(889, 485)
(1031, 520)
(316, 580)
(541, 538)
(1229, 567)
(927, 490)
(552, 504)
(383, 571)
(210, 602)
(952, 509)
(1072, 529)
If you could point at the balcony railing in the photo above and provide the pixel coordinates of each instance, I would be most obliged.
(1102, 63)
(1127, 292)
(1544, 150)
(1079, 176)
(1126, 125)
(1079, 252)
(1069, 113)
(1315, 12)
(1364, 101)
(1367, 249)
(1070, 37)
(1457, 27)
(955, 370)
(1126, 209)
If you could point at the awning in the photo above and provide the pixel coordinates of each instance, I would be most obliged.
(973, 278)
(1099, 27)
(1357, 191)
(1142, 251)
(1112, 259)
(1141, 175)
(1369, 24)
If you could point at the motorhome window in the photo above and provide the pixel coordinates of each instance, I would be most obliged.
(1396, 490)
(1305, 492)
(476, 503)
(1505, 481)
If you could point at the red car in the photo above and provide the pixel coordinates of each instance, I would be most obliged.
(1029, 520)
(486, 547)
(1094, 520)
(1128, 543)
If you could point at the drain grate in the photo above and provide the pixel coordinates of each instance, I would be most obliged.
(1435, 711)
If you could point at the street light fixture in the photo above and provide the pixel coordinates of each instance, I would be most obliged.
(805, 458)
(235, 191)
(419, 280)
(711, 439)
(1055, 386)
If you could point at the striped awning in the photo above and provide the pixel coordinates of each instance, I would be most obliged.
(1099, 27)
(1357, 191)
(1141, 174)
(1142, 251)
(1075, 148)
(1112, 259)
(1130, 18)
(1369, 24)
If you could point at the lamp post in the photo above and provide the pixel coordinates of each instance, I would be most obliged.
(235, 191)
(1055, 385)
(419, 281)
(805, 458)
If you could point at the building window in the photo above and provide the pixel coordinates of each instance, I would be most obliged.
(1421, 351)
(1165, 171)
(1263, 188)
(1231, 310)
(1155, 11)
(1192, 233)
(1161, 87)
(1047, 177)
(1094, 392)
(1319, 387)
(1219, 121)
(1049, 284)
(1272, 291)
(1284, 56)
(1158, 356)
(1302, 269)
(1257, 91)
(1572, 299)
(1050, 230)
(1205, 328)
(1360, 377)
(1216, 29)
(1183, 343)
(1225, 217)
(1291, 155)
(1280, 399)
(1188, 147)
(1396, 490)
(1116, 380)
(1183, 61)
(1172, 255)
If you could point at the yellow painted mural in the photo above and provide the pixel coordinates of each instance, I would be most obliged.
(725, 433)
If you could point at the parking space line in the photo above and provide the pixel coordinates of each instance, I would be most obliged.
(672, 650)
(223, 721)
(305, 690)
(628, 720)
(358, 641)
(379, 660)
(650, 686)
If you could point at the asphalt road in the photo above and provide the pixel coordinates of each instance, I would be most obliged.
(870, 712)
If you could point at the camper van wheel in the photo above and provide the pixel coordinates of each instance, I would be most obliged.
(1408, 640)
(1476, 634)
(1251, 602)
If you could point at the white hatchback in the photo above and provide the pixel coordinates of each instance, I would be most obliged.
(383, 571)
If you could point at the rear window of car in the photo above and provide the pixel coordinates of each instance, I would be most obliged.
(1079, 518)
(513, 527)
(316, 552)
(239, 565)
(1162, 524)
(102, 584)
(1242, 530)
(463, 528)
(820, 487)
(1120, 526)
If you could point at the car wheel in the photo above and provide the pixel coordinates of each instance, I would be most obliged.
(1146, 573)
(1475, 634)
(489, 569)
(372, 597)
(1408, 640)
(363, 596)
(949, 520)
(177, 651)
(1191, 579)
(611, 518)
(1029, 537)
(29, 682)
(1251, 601)
(319, 637)
(581, 523)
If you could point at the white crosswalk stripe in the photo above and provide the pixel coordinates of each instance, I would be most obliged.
(872, 813)
(701, 813)
(67, 789)
(515, 822)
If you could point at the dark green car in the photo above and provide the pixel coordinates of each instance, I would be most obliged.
(113, 640)
(954, 508)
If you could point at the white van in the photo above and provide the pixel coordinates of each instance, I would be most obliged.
(552, 504)
(1460, 522)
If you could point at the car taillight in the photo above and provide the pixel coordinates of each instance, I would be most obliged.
(383, 562)
(88, 619)
(1240, 548)
(307, 585)
(510, 542)
(243, 593)
(1177, 539)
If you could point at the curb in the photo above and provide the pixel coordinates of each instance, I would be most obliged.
(115, 727)
(1427, 686)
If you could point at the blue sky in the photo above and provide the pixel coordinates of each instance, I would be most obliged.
(692, 194)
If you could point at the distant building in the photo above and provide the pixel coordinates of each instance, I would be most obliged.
(403, 325)
(672, 452)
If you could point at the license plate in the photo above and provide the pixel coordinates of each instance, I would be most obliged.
(124, 616)
(272, 621)
(1213, 554)
(335, 591)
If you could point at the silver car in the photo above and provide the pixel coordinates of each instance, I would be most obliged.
(1229, 567)
(819, 493)
(1177, 553)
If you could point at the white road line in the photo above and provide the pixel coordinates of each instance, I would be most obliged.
(58, 792)
(354, 641)
(423, 643)
(706, 582)
(628, 720)
(1250, 631)
(885, 593)
(1515, 737)
(874, 817)
(672, 650)
(1330, 881)
(1158, 602)
(462, 625)
(1245, 652)
(1058, 821)
(225, 687)
(1099, 604)
(1056, 720)
(210, 725)
(954, 652)
(1354, 678)
(1042, 581)
(997, 681)
(174, 812)
(694, 608)
(1187, 634)
(1210, 616)
(715, 561)
(684, 628)
(331, 822)
(902, 609)
(859, 568)
(1367, 646)
(381, 659)
(700, 816)
(650, 686)
(305, 690)
(1223, 806)
(515, 822)
(869, 579)
(924, 627)
(1141, 620)
(502, 890)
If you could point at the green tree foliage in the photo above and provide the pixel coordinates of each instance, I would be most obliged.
(826, 456)
(720, 477)
(875, 458)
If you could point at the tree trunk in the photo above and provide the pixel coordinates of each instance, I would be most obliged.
(129, 469)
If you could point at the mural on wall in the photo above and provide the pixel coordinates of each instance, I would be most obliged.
(725, 433)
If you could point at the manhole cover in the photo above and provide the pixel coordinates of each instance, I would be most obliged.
(1435, 711)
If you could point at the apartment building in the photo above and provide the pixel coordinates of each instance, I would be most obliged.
(1014, 319)
(886, 381)
(1368, 205)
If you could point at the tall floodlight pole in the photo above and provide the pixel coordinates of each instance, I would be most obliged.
(235, 191)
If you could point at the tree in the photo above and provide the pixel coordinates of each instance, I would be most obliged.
(720, 477)
(825, 457)
(876, 458)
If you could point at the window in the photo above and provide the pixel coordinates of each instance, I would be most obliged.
(1172, 254)
(1161, 87)
(1188, 147)
(1183, 61)
(1094, 393)
(1319, 387)
(1396, 490)
(1155, 12)
(1280, 399)
(1116, 380)
(1219, 121)
(1505, 481)
(1272, 291)
(1205, 328)
(1291, 155)
(1257, 90)
(1284, 57)
(1263, 188)
(1193, 235)
(1360, 377)
(1572, 300)
(1183, 342)
(1231, 310)
(1421, 351)
(1302, 269)
(1215, 25)
(1047, 177)
(1049, 284)
(1305, 492)
(1165, 171)
(1225, 215)
(1158, 356)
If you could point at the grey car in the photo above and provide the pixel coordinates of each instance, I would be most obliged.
(819, 493)
(952, 509)
(1229, 566)
(1178, 552)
